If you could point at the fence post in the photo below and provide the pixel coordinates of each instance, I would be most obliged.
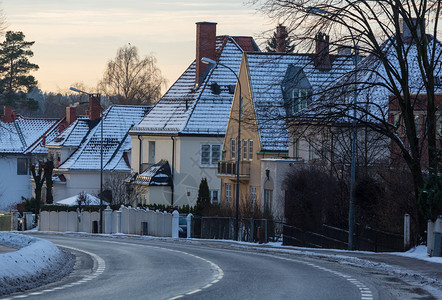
(430, 231)
(14, 220)
(175, 223)
(108, 220)
(118, 220)
(265, 232)
(406, 232)
(252, 228)
(189, 225)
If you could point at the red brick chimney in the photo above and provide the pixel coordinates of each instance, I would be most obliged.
(281, 36)
(205, 47)
(7, 114)
(94, 107)
(322, 54)
(71, 114)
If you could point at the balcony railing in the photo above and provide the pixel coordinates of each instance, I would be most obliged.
(228, 167)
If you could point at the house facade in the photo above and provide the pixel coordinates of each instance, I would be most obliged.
(77, 151)
(274, 86)
(186, 128)
(22, 144)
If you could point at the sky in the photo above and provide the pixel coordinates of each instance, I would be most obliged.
(75, 39)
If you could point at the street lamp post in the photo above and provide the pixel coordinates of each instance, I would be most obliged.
(356, 58)
(238, 144)
(96, 97)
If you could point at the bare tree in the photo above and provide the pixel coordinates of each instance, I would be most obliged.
(402, 68)
(129, 79)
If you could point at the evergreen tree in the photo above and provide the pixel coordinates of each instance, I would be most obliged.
(15, 66)
(203, 201)
(271, 43)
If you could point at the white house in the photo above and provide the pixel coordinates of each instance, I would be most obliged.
(77, 151)
(186, 128)
(22, 142)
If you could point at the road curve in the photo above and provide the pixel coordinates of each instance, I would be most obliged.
(122, 268)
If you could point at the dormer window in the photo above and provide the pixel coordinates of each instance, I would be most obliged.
(300, 98)
(296, 89)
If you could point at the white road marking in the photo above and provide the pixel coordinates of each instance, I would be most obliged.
(366, 293)
(217, 278)
(101, 266)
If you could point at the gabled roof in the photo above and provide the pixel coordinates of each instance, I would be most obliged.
(185, 109)
(86, 136)
(268, 76)
(28, 135)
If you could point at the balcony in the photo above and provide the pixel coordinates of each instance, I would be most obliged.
(228, 168)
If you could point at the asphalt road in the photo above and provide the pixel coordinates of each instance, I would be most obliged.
(131, 268)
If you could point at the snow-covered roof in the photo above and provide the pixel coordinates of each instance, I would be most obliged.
(72, 201)
(374, 87)
(28, 135)
(158, 174)
(267, 74)
(186, 109)
(118, 120)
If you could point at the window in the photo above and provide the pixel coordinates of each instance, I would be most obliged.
(252, 196)
(300, 97)
(151, 152)
(417, 123)
(205, 154)
(228, 194)
(22, 166)
(210, 154)
(268, 200)
(232, 149)
(325, 149)
(296, 148)
(244, 149)
(312, 153)
(214, 196)
(250, 149)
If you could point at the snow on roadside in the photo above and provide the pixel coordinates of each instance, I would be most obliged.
(36, 262)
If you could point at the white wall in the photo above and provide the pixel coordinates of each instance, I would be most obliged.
(278, 169)
(188, 171)
(12, 186)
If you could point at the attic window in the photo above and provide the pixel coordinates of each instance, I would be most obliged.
(216, 89)
(300, 98)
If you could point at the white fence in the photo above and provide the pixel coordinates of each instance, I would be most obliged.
(125, 220)
(434, 234)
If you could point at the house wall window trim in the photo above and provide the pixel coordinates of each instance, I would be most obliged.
(232, 148)
(210, 154)
(228, 195)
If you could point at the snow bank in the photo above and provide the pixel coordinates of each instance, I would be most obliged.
(36, 262)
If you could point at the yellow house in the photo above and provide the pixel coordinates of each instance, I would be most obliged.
(271, 87)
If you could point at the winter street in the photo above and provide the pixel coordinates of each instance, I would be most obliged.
(132, 267)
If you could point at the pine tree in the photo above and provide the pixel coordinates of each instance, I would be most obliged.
(203, 201)
(15, 66)
(271, 43)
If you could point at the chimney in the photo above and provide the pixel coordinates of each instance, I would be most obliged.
(405, 29)
(94, 107)
(322, 54)
(71, 115)
(281, 36)
(14, 115)
(7, 114)
(205, 47)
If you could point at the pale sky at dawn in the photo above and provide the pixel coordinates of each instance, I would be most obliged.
(75, 39)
